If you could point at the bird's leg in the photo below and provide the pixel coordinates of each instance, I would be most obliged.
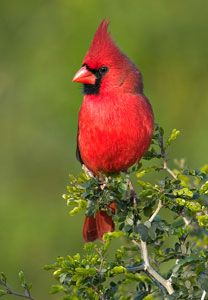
(133, 195)
(87, 171)
(103, 180)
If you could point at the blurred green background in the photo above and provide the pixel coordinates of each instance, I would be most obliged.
(42, 44)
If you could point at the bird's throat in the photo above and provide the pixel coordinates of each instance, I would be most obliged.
(92, 89)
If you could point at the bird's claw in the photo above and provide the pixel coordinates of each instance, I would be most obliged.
(87, 171)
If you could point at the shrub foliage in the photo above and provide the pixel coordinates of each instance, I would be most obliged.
(160, 247)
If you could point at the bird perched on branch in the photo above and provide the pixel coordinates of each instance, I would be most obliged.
(115, 124)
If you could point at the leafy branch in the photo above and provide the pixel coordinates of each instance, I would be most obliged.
(145, 255)
(7, 290)
(161, 224)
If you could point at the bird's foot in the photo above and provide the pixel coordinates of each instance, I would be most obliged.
(87, 171)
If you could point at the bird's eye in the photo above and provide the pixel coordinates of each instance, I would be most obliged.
(103, 70)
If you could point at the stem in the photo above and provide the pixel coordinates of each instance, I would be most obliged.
(170, 172)
(164, 157)
(165, 167)
(147, 267)
(136, 269)
(143, 246)
(186, 221)
(167, 284)
(10, 292)
(156, 211)
(203, 295)
(133, 195)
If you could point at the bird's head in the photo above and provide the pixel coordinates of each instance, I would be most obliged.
(105, 67)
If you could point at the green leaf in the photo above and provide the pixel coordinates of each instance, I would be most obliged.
(118, 270)
(115, 269)
(203, 280)
(183, 192)
(204, 188)
(149, 297)
(22, 278)
(178, 223)
(204, 169)
(56, 289)
(152, 233)
(203, 220)
(2, 293)
(148, 210)
(173, 136)
(143, 232)
(112, 235)
(186, 261)
(85, 271)
(3, 277)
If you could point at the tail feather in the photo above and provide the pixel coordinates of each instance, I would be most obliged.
(90, 233)
(104, 224)
(95, 227)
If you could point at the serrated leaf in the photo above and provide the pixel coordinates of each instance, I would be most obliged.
(204, 188)
(173, 136)
(2, 293)
(56, 289)
(178, 223)
(143, 232)
(22, 278)
(118, 270)
(3, 277)
(202, 220)
(203, 280)
(204, 169)
(86, 271)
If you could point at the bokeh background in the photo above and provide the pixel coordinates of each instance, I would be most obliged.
(42, 44)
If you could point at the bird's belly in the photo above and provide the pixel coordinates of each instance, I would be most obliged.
(112, 149)
(113, 136)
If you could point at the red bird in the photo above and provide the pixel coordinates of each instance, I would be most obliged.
(115, 120)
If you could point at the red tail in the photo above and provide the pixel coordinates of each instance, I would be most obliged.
(95, 227)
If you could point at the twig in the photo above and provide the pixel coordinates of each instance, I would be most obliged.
(172, 275)
(143, 246)
(135, 268)
(170, 172)
(133, 195)
(186, 221)
(167, 284)
(147, 267)
(165, 167)
(203, 295)
(9, 291)
(156, 211)
(164, 157)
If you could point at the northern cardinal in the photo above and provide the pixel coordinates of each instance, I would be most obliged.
(115, 124)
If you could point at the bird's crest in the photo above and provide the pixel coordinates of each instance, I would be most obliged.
(102, 49)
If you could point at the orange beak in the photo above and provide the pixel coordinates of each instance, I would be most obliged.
(84, 76)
